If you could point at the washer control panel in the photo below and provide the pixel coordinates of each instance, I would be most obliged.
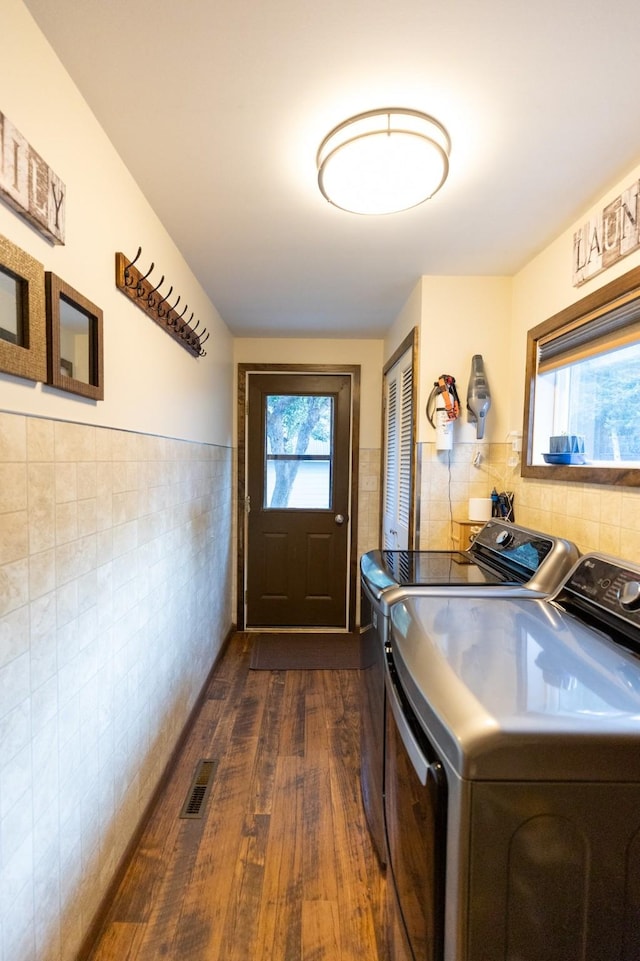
(517, 546)
(606, 585)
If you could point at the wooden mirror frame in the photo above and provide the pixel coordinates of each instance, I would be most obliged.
(29, 358)
(626, 286)
(57, 291)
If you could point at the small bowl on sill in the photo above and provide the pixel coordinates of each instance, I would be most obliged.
(564, 457)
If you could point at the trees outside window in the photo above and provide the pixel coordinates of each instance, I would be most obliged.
(298, 457)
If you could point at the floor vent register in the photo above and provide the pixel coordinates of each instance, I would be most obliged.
(198, 793)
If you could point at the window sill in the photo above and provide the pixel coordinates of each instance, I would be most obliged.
(584, 474)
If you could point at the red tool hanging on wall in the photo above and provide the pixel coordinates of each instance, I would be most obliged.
(443, 408)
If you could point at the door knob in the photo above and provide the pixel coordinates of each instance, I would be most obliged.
(339, 519)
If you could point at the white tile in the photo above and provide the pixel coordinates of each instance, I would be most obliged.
(44, 705)
(44, 657)
(15, 730)
(66, 603)
(13, 437)
(14, 683)
(14, 536)
(66, 483)
(16, 838)
(42, 573)
(13, 487)
(41, 493)
(17, 907)
(68, 729)
(87, 590)
(75, 559)
(15, 780)
(102, 659)
(40, 445)
(87, 480)
(74, 442)
(14, 634)
(66, 519)
(47, 896)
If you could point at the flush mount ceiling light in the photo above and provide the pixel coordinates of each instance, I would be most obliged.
(383, 161)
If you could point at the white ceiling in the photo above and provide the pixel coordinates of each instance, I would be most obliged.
(218, 106)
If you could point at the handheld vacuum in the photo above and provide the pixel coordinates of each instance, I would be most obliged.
(478, 395)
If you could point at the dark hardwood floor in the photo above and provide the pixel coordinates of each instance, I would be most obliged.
(280, 867)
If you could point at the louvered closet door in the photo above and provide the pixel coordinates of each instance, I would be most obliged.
(398, 451)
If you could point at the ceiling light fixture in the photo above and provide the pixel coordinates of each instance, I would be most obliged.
(383, 161)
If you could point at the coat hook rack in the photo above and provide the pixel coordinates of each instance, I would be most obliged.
(150, 299)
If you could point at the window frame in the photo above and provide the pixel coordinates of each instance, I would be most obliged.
(589, 308)
(272, 458)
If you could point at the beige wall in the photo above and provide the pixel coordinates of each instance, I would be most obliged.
(115, 535)
(151, 383)
(596, 517)
(409, 317)
(456, 318)
(544, 287)
(367, 353)
(463, 316)
(106, 507)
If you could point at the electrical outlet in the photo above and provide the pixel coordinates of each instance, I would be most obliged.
(516, 440)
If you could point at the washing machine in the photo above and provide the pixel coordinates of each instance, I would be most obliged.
(503, 559)
(512, 771)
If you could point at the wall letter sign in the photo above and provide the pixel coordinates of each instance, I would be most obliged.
(29, 185)
(612, 234)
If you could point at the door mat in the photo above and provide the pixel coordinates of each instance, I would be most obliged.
(305, 652)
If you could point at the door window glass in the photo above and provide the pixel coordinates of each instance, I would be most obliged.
(298, 452)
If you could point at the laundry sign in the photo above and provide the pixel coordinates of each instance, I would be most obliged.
(29, 185)
(608, 236)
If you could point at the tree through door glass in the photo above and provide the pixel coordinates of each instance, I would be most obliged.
(298, 452)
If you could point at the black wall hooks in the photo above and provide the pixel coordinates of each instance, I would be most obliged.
(150, 299)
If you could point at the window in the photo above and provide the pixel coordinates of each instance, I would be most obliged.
(298, 455)
(582, 410)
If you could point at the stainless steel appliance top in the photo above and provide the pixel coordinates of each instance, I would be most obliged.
(502, 555)
(530, 690)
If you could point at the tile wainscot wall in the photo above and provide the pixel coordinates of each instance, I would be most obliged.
(115, 596)
(596, 518)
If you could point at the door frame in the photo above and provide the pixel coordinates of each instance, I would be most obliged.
(244, 371)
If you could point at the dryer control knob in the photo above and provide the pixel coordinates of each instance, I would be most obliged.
(629, 596)
(504, 538)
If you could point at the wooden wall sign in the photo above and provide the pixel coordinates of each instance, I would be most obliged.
(29, 185)
(611, 234)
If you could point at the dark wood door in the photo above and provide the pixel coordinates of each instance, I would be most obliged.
(298, 457)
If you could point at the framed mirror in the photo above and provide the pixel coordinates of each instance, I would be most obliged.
(582, 390)
(23, 347)
(75, 353)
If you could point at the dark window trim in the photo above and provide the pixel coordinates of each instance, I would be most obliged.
(587, 474)
(243, 372)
